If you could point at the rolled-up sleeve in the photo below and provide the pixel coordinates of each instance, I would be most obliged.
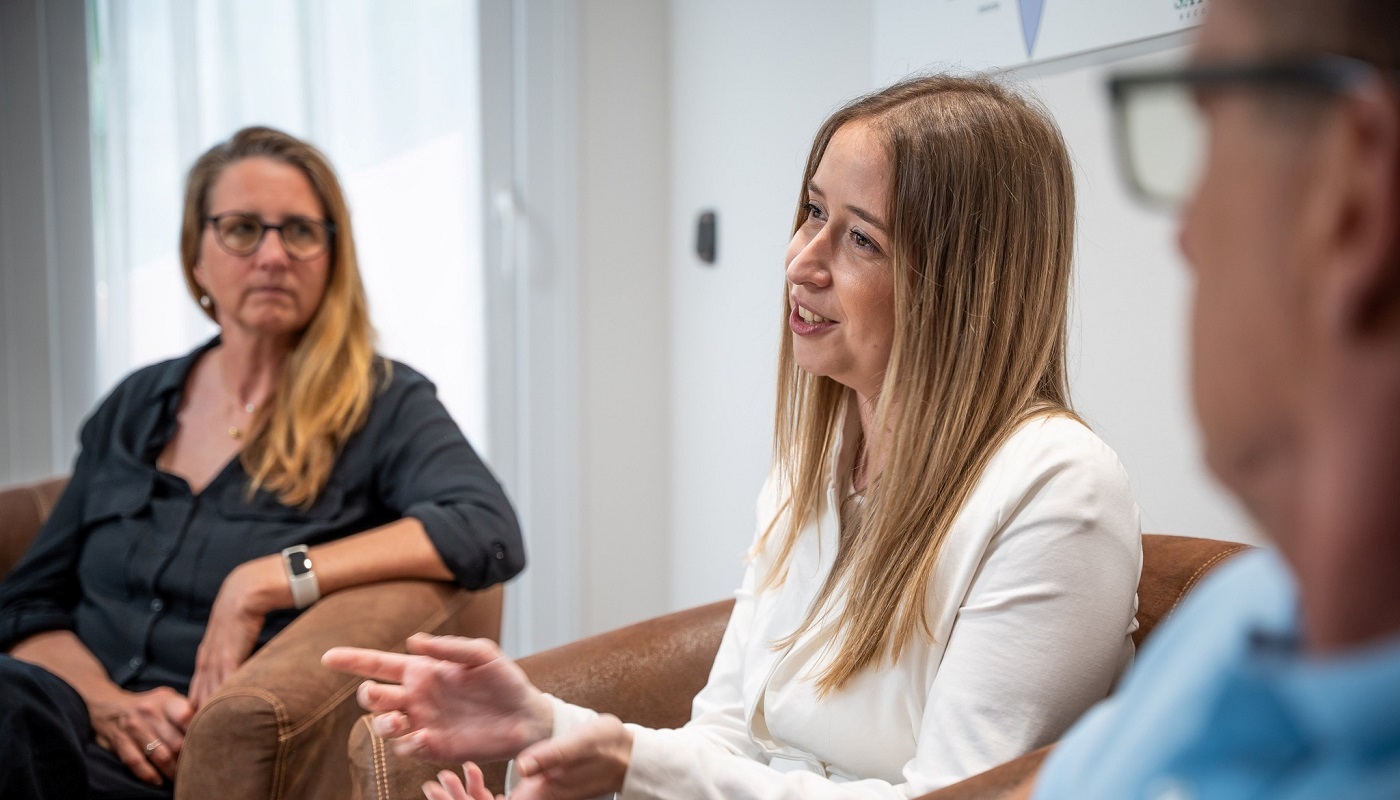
(428, 471)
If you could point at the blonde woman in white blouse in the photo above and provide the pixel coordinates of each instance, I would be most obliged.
(945, 569)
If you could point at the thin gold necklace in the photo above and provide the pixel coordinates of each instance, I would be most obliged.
(234, 431)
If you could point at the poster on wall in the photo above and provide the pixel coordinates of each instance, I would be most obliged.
(1002, 34)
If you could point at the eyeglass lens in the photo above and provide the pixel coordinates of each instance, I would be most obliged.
(241, 235)
(1164, 141)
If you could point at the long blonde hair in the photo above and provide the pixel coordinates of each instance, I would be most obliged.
(324, 392)
(982, 231)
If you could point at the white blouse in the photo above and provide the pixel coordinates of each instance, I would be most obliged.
(1031, 607)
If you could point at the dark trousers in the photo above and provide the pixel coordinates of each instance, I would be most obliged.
(49, 750)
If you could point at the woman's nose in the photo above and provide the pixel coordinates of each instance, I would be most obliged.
(808, 259)
(271, 252)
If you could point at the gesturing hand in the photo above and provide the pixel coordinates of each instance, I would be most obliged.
(145, 729)
(589, 761)
(450, 787)
(457, 699)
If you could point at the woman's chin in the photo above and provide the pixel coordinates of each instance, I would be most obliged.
(271, 327)
(820, 370)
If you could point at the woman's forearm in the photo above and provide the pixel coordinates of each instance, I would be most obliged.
(63, 653)
(398, 550)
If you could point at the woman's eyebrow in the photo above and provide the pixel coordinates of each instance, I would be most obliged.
(814, 189)
(868, 217)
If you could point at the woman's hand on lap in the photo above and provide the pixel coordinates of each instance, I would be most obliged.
(129, 723)
(247, 594)
(457, 699)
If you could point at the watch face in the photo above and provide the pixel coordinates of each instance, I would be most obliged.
(299, 563)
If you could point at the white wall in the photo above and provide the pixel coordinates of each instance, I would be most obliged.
(1129, 369)
(623, 233)
(750, 83)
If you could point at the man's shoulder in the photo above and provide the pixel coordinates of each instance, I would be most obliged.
(1173, 691)
(1251, 589)
(1250, 593)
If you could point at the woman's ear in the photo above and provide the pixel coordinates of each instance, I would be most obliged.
(205, 300)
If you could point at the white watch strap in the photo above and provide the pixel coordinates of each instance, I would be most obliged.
(301, 578)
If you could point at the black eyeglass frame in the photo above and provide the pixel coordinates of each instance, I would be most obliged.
(326, 225)
(1327, 73)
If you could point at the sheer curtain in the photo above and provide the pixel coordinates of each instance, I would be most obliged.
(387, 89)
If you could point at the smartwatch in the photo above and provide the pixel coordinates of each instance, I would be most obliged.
(300, 576)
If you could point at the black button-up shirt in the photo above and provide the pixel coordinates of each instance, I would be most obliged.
(131, 560)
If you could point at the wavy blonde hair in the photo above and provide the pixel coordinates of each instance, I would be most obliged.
(323, 394)
(982, 233)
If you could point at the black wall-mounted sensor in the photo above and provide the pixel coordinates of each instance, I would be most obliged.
(705, 237)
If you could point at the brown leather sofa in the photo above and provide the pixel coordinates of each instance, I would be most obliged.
(277, 729)
(648, 673)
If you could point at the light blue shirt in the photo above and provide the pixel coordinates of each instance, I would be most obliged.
(1223, 705)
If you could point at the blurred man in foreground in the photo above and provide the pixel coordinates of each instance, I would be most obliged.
(1280, 677)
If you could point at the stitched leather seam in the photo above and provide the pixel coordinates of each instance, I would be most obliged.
(1203, 569)
(279, 712)
(336, 698)
(381, 771)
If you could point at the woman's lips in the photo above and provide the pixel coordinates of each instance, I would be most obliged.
(802, 327)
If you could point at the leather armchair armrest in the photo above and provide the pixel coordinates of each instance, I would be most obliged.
(23, 510)
(646, 673)
(1010, 781)
(278, 728)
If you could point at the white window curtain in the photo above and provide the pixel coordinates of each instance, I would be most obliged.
(387, 89)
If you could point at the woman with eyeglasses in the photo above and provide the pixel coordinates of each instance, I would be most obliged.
(946, 561)
(217, 494)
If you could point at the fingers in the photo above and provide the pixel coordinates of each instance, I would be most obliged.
(476, 782)
(448, 787)
(604, 734)
(457, 649)
(381, 697)
(410, 745)
(589, 761)
(162, 754)
(390, 725)
(172, 742)
(179, 710)
(375, 664)
(134, 757)
(197, 690)
(209, 674)
(145, 730)
(212, 670)
(451, 787)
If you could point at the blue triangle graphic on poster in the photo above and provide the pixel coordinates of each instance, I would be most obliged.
(1030, 22)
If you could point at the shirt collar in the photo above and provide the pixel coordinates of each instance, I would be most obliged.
(172, 378)
(1347, 700)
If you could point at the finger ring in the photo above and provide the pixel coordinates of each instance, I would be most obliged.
(154, 745)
